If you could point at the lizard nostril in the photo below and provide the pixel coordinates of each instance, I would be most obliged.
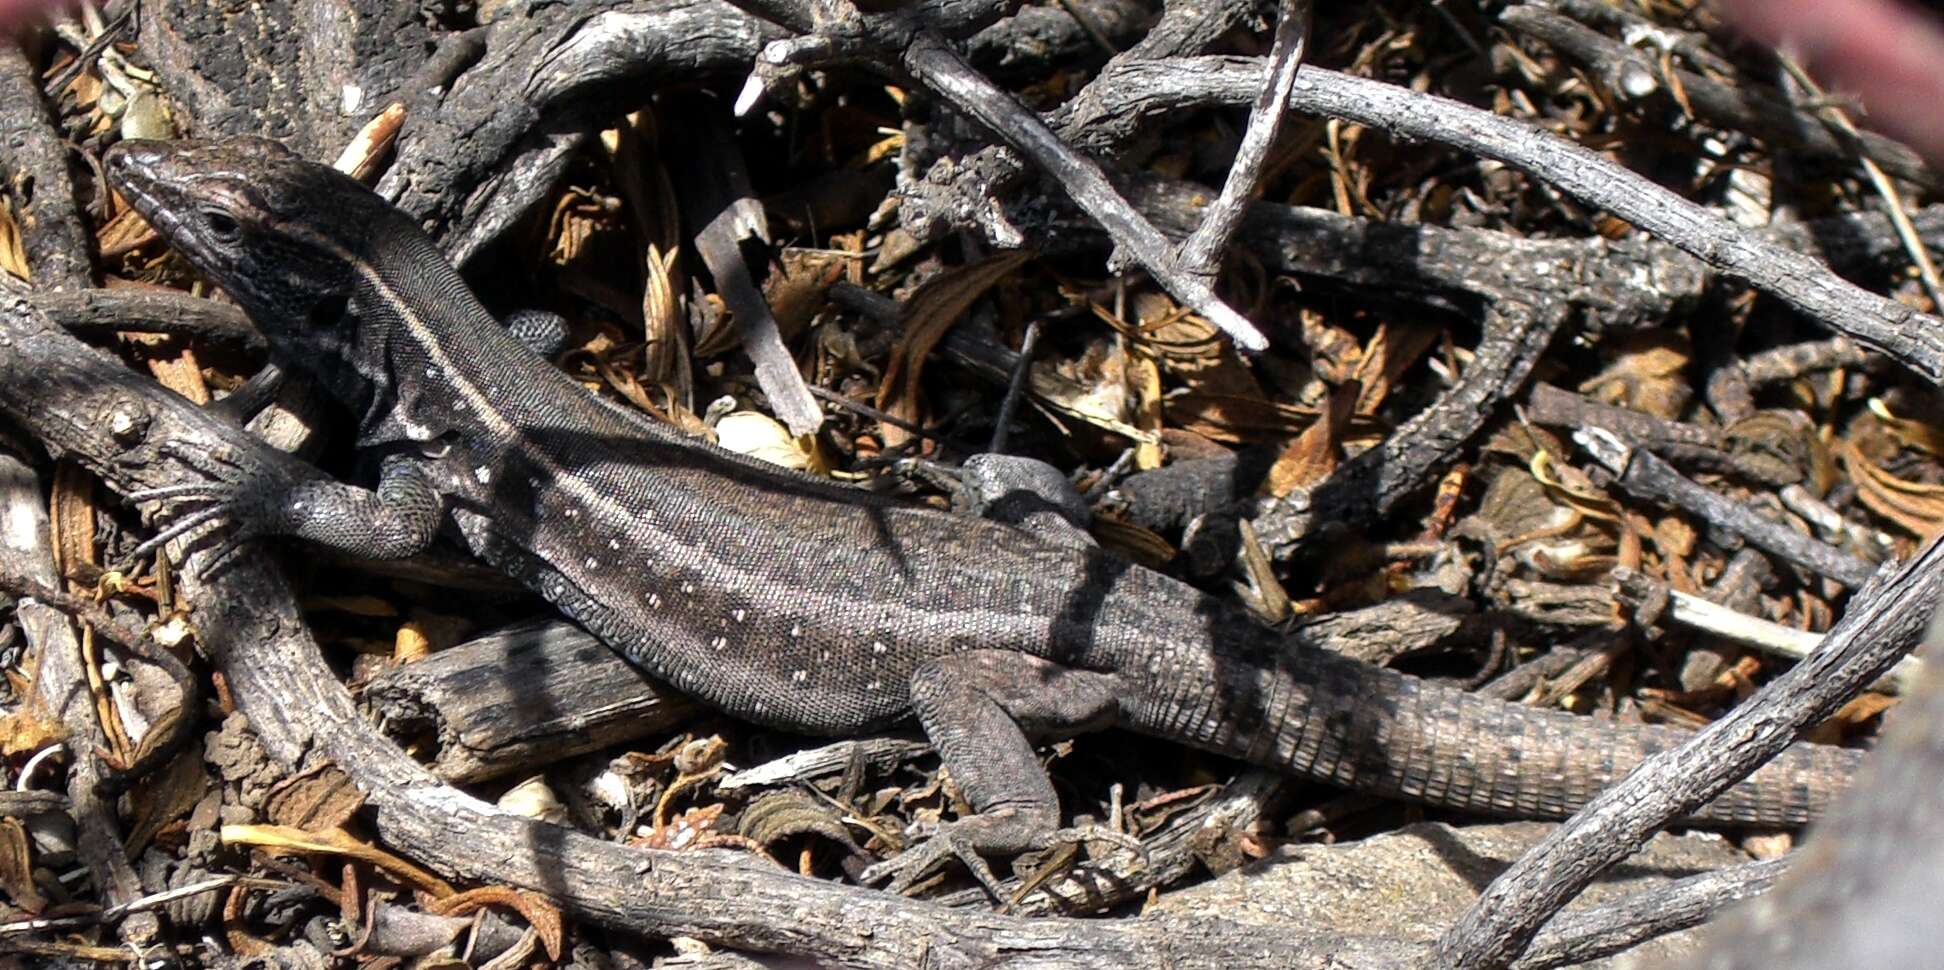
(130, 156)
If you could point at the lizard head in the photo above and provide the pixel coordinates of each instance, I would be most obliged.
(281, 235)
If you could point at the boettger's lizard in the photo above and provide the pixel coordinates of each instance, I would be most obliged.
(795, 602)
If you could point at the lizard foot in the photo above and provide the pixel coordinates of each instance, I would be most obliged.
(953, 840)
(217, 500)
(234, 503)
(914, 863)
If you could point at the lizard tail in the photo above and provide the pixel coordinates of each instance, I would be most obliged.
(1329, 718)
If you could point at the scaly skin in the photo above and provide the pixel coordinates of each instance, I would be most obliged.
(800, 604)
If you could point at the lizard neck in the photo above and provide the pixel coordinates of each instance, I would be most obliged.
(412, 309)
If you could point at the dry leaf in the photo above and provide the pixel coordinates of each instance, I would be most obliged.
(21, 733)
(171, 794)
(1190, 349)
(71, 516)
(1133, 542)
(361, 157)
(538, 913)
(124, 234)
(1315, 453)
(370, 607)
(1391, 352)
(1909, 432)
(1237, 420)
(1646, 375)
(1915, 507)
(1334, 351)
(17, 868)
(410, 643)
(798, 292)
(1568, 487)
(665, 326)
(1444, 503)
(533, 798)
(760, 436)
(283, 838)
(13, 251)
(318, 798)
(1144, 386)
(930, 312)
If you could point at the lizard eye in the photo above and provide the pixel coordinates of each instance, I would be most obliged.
(222, 225)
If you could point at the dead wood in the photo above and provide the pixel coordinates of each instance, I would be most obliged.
(1885, 621)
(35, 171)
(1858, 887)
(520, 700)
(1634, 75)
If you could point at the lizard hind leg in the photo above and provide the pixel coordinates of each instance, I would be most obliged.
(978, 708)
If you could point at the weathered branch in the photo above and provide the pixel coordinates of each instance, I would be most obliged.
(1885, 619)
(1201, 254)
(34, 169)
(1868, 879)
(1913, 339)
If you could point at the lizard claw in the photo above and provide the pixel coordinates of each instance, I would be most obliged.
(217, 493)
(906, 868)
(914, 863)
(233, 503)
(1091, 832)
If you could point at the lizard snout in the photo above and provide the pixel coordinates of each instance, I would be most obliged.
(131, 157)
(133, 169)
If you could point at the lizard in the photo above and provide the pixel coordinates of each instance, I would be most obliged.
(797, 602)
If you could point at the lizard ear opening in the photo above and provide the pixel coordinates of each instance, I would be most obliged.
(328, 311)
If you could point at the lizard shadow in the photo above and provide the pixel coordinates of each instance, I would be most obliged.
(1479, 854)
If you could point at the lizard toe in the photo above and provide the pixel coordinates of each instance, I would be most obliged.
(921, 860)
(1080, 834)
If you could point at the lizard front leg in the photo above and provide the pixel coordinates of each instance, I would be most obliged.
(399, 519)
(978, 708)
(1027, 493)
